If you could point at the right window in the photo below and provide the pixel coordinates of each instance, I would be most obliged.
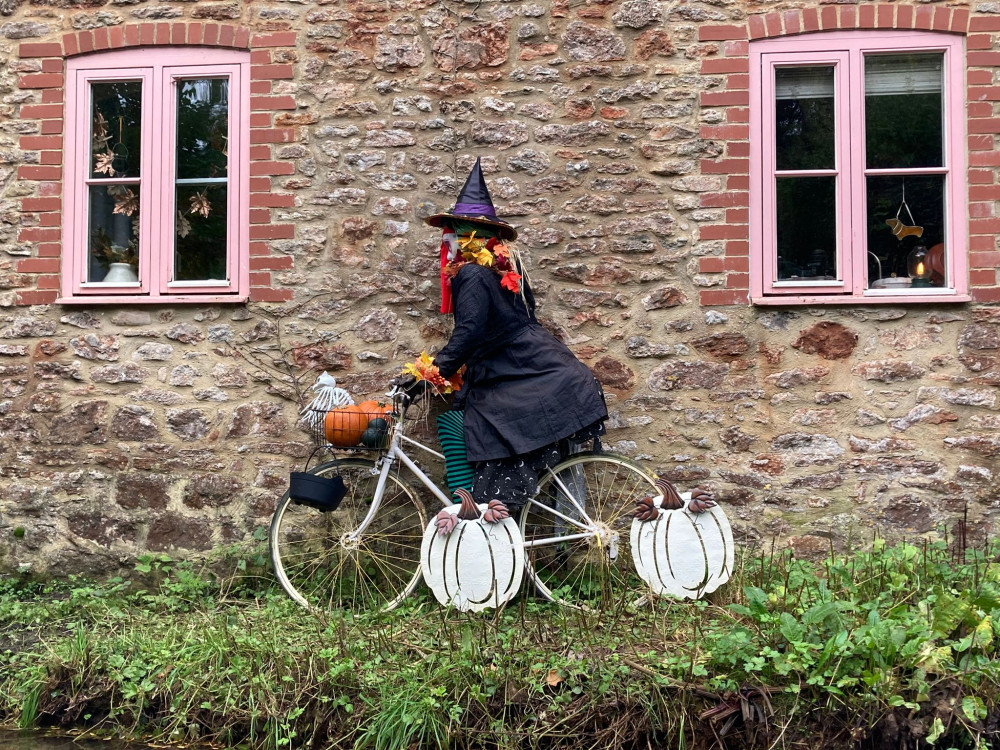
(858, 175)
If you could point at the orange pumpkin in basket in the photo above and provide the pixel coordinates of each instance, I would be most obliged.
(343, 427)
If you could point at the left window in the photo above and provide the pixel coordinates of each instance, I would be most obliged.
(156, 199)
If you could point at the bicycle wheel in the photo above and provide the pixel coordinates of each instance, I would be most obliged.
(576, 531)
(321, 568)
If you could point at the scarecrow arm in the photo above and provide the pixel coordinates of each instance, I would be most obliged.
(471, 309)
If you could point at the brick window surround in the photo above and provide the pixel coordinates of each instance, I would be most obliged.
(271, 124)
(732, 99)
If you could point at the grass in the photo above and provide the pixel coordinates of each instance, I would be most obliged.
(893, 647)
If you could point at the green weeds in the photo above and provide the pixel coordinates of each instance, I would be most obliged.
(896, 646)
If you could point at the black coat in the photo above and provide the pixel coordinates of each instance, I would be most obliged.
(524, 389)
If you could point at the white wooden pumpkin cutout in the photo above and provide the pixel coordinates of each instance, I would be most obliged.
(474, 565)
(686, 548)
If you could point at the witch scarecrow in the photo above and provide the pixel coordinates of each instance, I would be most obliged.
(525, 398)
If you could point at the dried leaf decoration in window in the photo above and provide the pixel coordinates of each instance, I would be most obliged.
(183, 225)
(126, 202)
(200, 204)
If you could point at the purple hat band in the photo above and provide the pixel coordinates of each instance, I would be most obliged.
(475, 209)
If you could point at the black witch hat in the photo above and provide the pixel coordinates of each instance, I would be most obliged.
(476, 206)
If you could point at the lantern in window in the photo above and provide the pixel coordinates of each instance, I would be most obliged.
(918, 266)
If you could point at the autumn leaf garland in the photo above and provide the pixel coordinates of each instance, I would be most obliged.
(492, 254)
(425, 369)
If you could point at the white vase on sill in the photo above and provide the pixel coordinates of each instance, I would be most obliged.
(119, 273)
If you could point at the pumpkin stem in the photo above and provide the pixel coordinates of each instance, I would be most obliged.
(468, 511)
(671, 500)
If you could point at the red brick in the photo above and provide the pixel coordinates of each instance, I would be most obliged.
(259, 248)
(49, 249)
(260, 87)
(147, 33)
(738, 182)
(712, 65)
(273, 232)
(260, 119)
(737, 249)
(44, 297)
(260, 152)
(178, 33)
(738, 82)
(738, 114)
(70, 44)
(260, 103)
(162, 33)
(723, 232)
(260, 279)
(725, 166)
(985, 260)
(942, 19)
(258, 294)
(985, 125)
(980, 176)
(260, 216)
(38, 265)
(984, 23)
(810, 19)
(260, 57)
(271, 167)
(50, 219)
(195, 33)
(960, 20)
(40, 81)
(980, 142)
(738, 215)
(38, 234)
(984, 159)
(772, 22)
(738, 149)
(828, 17)
(51, 127)
(924, 17)
(242, 38)
(984, 226)
(52, 96)
(886, 16)
(86, 41)
(984, 93)
(904, 17)
(738, 281)
(984, 193)
(41, 204)
(710, 265)
(982, 243)
(756, 27)
(101, 39)
(132, 35)
(714, 297)
(277, 39)
(866, 17)
(725, 132)
(737, 49)
(979, 41)
(33, 172)
(793, 21)
(48, 281)
(40, 49)
(272, 263)
(211, 33)
(272, 135)
(985, 294)
(724, 200)
(978, 110)
(50, 188)
(38, 111)
(983, 277)
(272, 200)
(736, 264)
(227, 35)
(724, 98)
(721, 33)
(848, 17)
(260, 184)
(270, 72)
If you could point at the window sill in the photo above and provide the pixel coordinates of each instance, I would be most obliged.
(173, 299)
(873, 299)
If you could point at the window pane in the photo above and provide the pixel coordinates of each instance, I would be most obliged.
(895, 228)
(804, 117)
(113, 231)
(200, 231)
(903, 110)
(116, 123)
(202, 128)
(807, 231)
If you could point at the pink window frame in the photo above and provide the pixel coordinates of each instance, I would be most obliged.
(157, 68)
(845, 50)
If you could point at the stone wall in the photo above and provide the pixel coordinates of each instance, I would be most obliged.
(614, 136)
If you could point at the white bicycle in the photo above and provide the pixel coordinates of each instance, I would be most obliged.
(365, 554)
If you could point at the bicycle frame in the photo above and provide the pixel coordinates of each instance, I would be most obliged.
(395, 453)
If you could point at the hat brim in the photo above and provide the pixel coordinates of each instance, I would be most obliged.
(504, 230)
